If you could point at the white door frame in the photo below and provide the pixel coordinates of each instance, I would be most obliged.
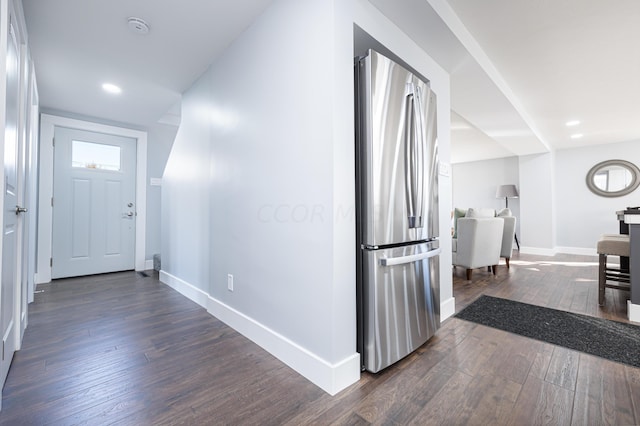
(33, 133)
(48, 124)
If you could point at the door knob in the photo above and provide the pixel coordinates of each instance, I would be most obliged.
(21, 209)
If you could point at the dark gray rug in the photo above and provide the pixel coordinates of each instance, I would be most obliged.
(612, 340)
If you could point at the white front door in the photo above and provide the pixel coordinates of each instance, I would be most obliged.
(11, 217)
(94, 212)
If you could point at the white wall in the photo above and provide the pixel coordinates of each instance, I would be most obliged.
(160, 141)
(254, 160)
(185, 193)
(582, 215)
(272, 191)
(537, 204)
(264, 160)
(475, 184)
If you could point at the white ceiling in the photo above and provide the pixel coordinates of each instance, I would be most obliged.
(519, 68)
(79, 44)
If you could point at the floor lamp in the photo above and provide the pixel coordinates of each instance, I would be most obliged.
(506, 192)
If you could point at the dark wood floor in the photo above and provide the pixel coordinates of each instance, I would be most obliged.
(126, 349)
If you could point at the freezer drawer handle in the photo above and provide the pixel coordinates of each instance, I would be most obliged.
(409, 259)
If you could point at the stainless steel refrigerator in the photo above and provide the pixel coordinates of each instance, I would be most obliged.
(397, 211)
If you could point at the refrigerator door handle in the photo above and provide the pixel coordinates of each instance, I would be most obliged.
(414, 155)
(409, 259)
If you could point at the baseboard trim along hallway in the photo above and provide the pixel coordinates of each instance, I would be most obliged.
(332, 378)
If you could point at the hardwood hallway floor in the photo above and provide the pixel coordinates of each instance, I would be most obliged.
(126, 349)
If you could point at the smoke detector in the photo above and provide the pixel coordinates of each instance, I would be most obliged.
(138, 25)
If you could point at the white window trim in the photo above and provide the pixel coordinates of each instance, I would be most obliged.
(48, 123)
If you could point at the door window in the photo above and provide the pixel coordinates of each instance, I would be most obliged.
(90, 155)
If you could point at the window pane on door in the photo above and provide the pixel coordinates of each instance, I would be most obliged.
(91, 155)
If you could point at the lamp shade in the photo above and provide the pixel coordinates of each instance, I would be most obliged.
(507, 191)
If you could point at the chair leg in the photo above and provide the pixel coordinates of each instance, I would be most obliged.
(469, 271)
(506, 259)
(602, 266)
(494, 269)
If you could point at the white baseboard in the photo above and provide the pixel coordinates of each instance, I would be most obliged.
(577, 250)
(583, 251)
(447, 308)
(633, 311)
(331, 378)
(189, 291)
(538, 251)
(148, 264)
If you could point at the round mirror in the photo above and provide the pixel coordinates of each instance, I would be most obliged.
(613, 178)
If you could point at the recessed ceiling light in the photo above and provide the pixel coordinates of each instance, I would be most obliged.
(572, 123)
(138, 25)
(111, 88)
(576, 136)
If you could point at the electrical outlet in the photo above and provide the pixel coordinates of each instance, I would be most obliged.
(229, 282)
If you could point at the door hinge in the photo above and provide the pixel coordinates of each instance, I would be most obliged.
(53, 141)
(51, 201)
(51, 262)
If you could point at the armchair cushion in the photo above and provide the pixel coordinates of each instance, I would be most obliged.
(480, 213)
